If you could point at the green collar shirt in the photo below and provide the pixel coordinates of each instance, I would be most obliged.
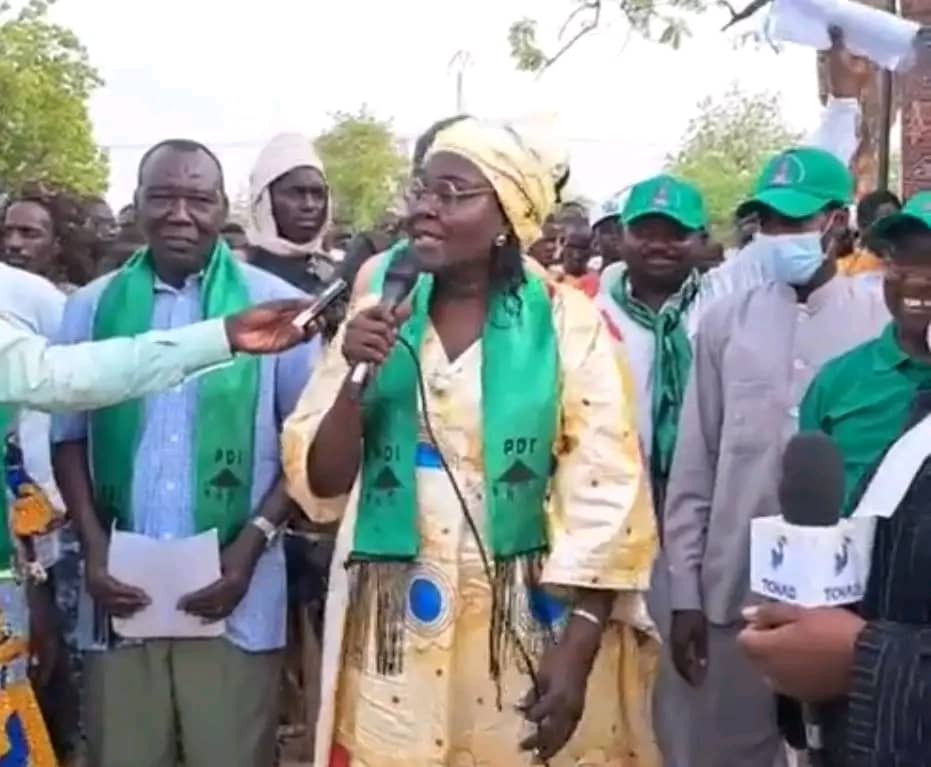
(862, 401)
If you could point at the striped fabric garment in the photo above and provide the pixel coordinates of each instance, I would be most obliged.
(886, 719)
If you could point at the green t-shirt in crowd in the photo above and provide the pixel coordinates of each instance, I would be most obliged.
(862, 400)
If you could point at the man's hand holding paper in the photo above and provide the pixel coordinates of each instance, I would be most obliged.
(165, 571)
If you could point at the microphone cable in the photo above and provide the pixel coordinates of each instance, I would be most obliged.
(473, 528)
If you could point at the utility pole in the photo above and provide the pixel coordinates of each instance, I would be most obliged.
(460, 62)
(916, 106)
(885, 118)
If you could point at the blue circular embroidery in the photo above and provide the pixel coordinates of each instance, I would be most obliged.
(425, 600)
(546, 608)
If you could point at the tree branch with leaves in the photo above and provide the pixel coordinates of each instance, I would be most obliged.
(364, 166)
(725, 146)
(666, 21)
(46, 81)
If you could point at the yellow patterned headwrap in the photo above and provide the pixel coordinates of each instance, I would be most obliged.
(519, 173)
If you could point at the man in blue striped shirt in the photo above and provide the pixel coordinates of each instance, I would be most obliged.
(216, 697)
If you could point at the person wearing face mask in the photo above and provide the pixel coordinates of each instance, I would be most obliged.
(755, 354)
(866, 400)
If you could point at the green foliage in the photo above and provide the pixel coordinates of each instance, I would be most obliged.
(665, 21)
(364, 165)
(522, 37)
(46, 80)
(725, 147)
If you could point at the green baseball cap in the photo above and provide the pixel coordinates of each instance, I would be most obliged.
(916, 210)
(800, 183)
(669, 197)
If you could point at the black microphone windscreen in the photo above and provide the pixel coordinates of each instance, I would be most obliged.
(400, 279)
(811, 491)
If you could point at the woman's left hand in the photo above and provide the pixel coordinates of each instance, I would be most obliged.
(557, 706)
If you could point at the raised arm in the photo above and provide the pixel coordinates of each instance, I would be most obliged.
(836, 133)
(91, 375)
(847, 79)
(322, 439)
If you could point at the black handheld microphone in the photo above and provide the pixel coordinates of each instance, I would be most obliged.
(811, 493)
(399, 282)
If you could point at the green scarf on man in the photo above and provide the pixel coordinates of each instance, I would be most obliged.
(224, 432)
(672, 358)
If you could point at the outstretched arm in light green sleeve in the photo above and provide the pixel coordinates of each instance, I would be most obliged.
(92, 375)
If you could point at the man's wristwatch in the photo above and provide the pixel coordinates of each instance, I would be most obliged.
(267, 529)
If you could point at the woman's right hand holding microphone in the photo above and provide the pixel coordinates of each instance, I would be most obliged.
(370, 336)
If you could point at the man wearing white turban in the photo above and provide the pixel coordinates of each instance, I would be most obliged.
(290, 211)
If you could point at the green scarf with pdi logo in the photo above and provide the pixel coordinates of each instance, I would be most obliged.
(520, 411)
(672, 358)
(224, 432)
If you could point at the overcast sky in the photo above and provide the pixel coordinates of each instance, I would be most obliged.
(232, 75)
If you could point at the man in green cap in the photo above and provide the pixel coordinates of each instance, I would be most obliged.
(650, 305)
(755, 353)
(647, 305)
(653, 303)
(874, 403)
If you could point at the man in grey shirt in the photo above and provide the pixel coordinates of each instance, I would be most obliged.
(754, 355)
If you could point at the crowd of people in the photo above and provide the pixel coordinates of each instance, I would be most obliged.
(502, 519)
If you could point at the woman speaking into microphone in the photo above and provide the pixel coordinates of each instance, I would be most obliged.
(497, 530)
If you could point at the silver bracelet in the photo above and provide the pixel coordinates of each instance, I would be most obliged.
(588, 616)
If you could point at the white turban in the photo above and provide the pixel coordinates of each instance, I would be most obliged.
(281, 155)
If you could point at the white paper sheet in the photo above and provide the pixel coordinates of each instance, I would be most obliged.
(884, 38)
(166, 570)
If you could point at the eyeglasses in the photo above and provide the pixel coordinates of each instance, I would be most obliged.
(446, 193)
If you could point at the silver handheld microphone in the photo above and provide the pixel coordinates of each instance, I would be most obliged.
(331, 293)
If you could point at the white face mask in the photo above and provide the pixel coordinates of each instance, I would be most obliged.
(792, 258)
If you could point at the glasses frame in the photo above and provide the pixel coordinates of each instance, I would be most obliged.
(417, 191)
